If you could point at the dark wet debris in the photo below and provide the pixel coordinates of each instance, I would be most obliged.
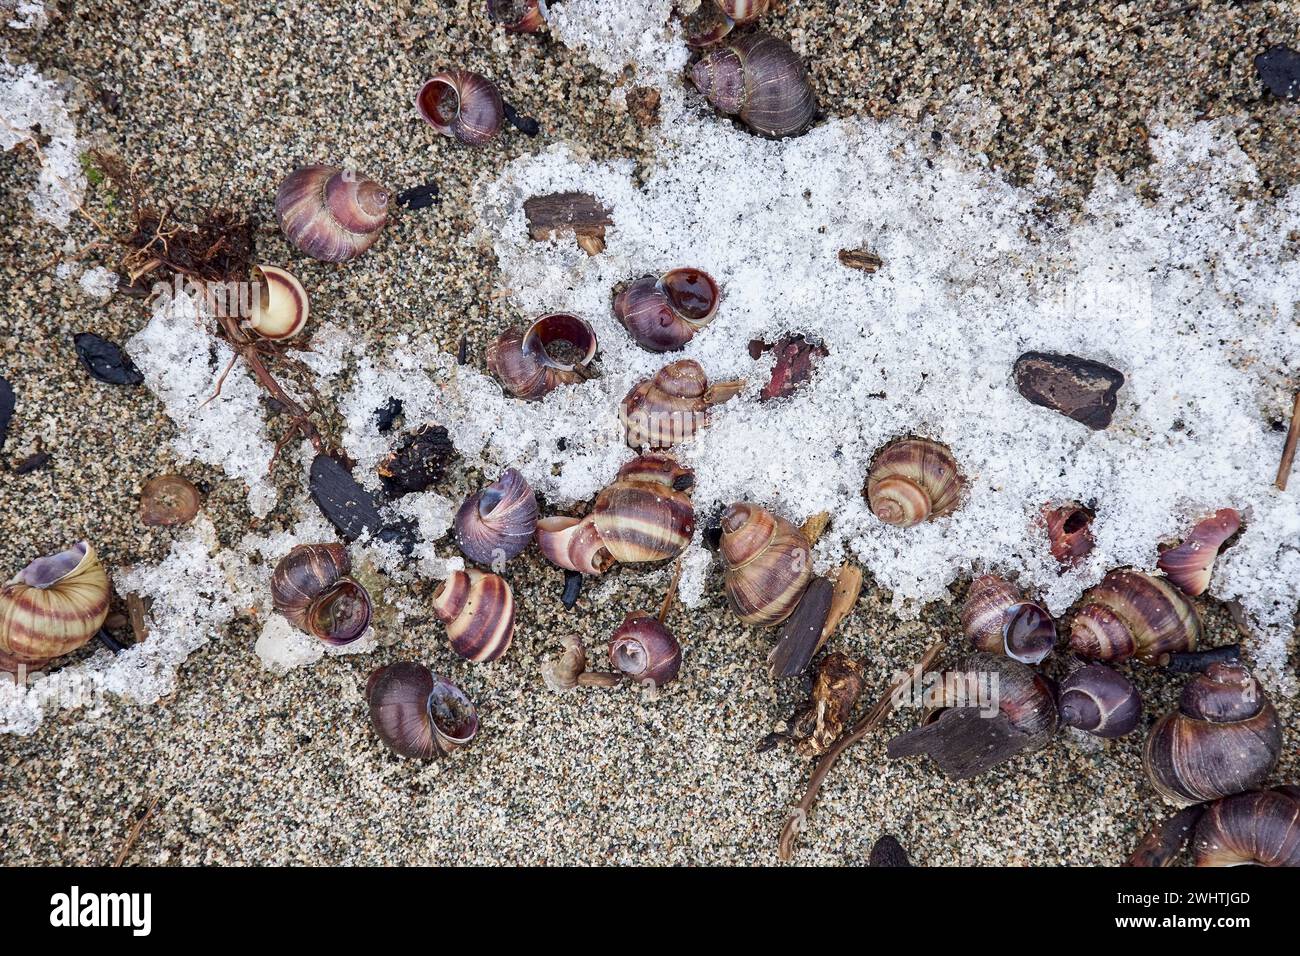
(105, 361)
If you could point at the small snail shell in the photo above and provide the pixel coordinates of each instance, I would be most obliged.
(913, 480)
(1262, 828)
(331, 214)
(168, 500)
(760, 79)
(707, 25)
(1099, 700)
(1189, 565)
(646, 514)
(663, 314)
(518, 16)
(479, 612)
(1224, 738)
(524, 365)
(573, 544)
(767, 562)
(1133, 614)
(672, 406)
(744, 11)
(1069, 533)
(280, 307)
(310, 587)
(54, 605)
(996, 618)
(498, 521)
(417, 713)
(463, 105)
(645, 650)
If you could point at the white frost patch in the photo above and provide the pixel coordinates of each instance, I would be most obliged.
(24, 14)
(98, 283)
(614, 35)
(28, 100)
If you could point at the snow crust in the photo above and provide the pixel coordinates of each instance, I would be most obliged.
(28, 101)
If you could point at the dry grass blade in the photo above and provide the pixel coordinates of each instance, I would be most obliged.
(134, 835)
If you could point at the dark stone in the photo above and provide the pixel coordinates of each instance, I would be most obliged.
(572, 588)
(387, 414)
(7, 402)
(801, 633)
(418, 197)
(888, 852)
(1279, 68)
(352, 509)
(105, 361)
(32, 463)
(1076, 387)
(418, 462)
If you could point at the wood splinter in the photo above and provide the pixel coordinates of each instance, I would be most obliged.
(581, 214)
(1288, 450)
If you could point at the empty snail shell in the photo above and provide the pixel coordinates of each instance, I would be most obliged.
(518, 16)
(524, 363)
(744, 11)
(996, 618)
(1101, 701)
(1189, 565)
(1261, 828)
(417, 713)
(913, 480)
(53, 606)
(168, 500)
(1224, 738)
(672, 406)
(662, 314)
(280, 307)
(707, 25)
(646, 513)
(497, 522)
(767, 564)
(573, 544)
(760, 79)
(478, 609)
(310, 587)
(1134, 614)
(645, 650)
(462, 104)
(329, 213)
(1069, 533)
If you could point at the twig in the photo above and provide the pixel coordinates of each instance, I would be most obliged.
(667, 605)
(874, 718)
(1288, 450)
(135, 834)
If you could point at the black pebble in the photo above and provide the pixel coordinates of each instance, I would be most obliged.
(7, 402)
(1279, 68)
(572, 588)
(32, 463)
(105, 361)
(386, 415)
(352, 509)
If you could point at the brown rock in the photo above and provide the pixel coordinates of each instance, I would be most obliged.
(1076, 387)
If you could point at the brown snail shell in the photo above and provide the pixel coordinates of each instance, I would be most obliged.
(573, 544)
(913, 480)
(310, 587)
(1189, 565)
(523, 364)
(760, 79)
(280, 307)
(663, 313)
(53, 606)
(997, 619)
(417, 713)
(478, 609)
(518, 16)
(497, 522)
(463, 105)
(1069, 533)
(707, 25)
(1100, 701)
(767, 564)
(1261, 828)
(329, 213)
(1224, 738)
(646, 514)
(168, 500)
(1134, 614)
(672, 406)
(645, 650)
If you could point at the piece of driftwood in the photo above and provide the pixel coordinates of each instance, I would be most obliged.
(848, 585)
(863, 260)
(800, 635)
(834, 695)
(1288, 450)
(558, 213)
(1166, 838)
(963, 742)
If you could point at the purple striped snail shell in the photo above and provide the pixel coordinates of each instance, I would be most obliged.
(997, 619)
(464, 105)
(663, 313)
(1190, 564)
(573, 544)
(1260, 828)
(767, 564)
(478, 610)
(329, 213)
(913, 480)
(523, 362)
(53, 606)
(518, 16)
(1134, 614)
(497, 522)
(645, 650)
(760, 79)
(310, 587)
(1099, 701)
(672, 405)
(417, 713)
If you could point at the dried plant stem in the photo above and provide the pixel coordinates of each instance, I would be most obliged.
(874, 718)
(672, 592)
(1288, 450)
(134, 835)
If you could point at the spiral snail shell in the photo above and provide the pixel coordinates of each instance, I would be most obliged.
(1069, 533)
(417, 713)
(573, 544)
(463, 105)
(996, 618)
(663, 313)
(767, 564)
(518, 16)
(329, 213)
(497, 522)
(1134, 614)
(279, 308)
(1261, 828)
(1100, 701)
(744, 11)
(310, 587)
(913, 480)
(645, 650)
(53, 606)
(525, 366)
(672, 405)
(760, 79)
(478, 609)
(1224, 738)
(1189, 565)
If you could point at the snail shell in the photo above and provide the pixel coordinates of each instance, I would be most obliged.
(478, 609)
(498, 521)
(744, 11)
(1133, 614)
(672, 406)
(996, 618)
(1189, 565)
(767, 562)
(1262, 828)
(645, 650)
(462, 104)
(524, 365)
(1101, 701)
(760, 79)
(646, 514)
(663, 314)
(417, 713)
(913, 480)
(1069, 533)
(1224, 738)
(168, 500)
(54, 605)
(573, 544)
(330, 214)
(310, 587)
(280, 307)
(518, 16)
